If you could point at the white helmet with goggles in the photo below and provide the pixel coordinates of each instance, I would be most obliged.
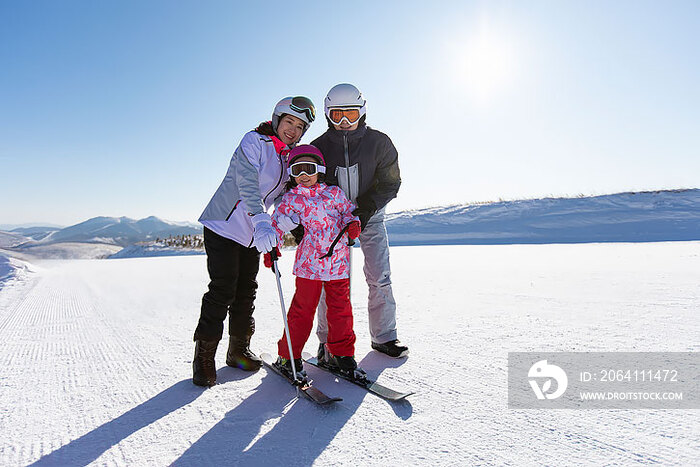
(344, 102)
(297, 106)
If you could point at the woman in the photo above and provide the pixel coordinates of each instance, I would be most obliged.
(237, 229)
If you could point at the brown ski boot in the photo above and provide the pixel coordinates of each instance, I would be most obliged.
(203, 365)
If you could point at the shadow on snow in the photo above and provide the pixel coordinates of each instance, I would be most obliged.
(270, 426)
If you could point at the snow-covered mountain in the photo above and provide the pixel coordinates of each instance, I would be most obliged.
(11, 239)
(624, 217)
(672, 215)
(120, 231)
(35, 232)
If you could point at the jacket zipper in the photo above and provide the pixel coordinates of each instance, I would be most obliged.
(270, 192)
(347, 164)
(234, 208)
(278, 181)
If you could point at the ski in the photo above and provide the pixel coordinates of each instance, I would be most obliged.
(310, 392)
(366, 383)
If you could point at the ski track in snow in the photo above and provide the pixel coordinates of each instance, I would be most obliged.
(95, 363)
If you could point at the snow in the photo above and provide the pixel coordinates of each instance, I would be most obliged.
(67, 250)
(11, 240)
(96, 363)
(621, 217)
(13, 269)
(143, 251)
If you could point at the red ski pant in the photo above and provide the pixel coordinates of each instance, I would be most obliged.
(341, 337)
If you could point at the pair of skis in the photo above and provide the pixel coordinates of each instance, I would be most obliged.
(305, 387)
(314, 394)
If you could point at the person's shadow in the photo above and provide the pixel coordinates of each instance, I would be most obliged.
(271, 427)
(87, 448)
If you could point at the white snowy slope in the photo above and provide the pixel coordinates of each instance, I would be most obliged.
(671, 215)
(95, 363)
(147, 250)
(10, 239)
(67, 250)
(13, 269)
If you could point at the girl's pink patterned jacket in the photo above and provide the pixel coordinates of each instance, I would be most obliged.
(323, 211)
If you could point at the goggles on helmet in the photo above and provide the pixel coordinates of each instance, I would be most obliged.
(349, 115)
(304, 105)
(308, 168)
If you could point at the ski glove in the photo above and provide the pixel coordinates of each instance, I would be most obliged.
(264, 237)
(364, 216)
(354, 229)
(287, 223)
(298, 234)
(366, 208)
(267, 258)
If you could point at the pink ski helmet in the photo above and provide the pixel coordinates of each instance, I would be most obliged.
(306, 150)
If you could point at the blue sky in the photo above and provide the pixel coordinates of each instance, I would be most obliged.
(123, 108)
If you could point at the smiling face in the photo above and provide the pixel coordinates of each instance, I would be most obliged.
(290, 129)
(303, 179)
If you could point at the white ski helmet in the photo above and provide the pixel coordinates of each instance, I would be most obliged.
(297, 106)
(344, 95)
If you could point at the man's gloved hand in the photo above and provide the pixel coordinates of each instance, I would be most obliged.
(365, 209)
(298, 234)
(364, 216)
(267, 258)
(264, 237)
(287, 223)
(354, 230)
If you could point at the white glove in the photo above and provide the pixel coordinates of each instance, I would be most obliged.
(264, 237)
(288, 223)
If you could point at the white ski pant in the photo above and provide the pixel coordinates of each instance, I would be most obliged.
(381, 305)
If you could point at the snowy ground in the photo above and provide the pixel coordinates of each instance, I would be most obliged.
(95, 363)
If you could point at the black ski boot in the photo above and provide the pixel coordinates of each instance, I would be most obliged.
(240, 356)
(347, 367)
(393, 348)
(203, 365)
(285, 366)
(321, 355)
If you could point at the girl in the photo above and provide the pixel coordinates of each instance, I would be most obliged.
(237, 229)
(323, 211)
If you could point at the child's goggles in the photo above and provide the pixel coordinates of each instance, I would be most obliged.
(308, 168)
(349, 115)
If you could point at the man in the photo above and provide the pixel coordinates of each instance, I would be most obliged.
(364, 163)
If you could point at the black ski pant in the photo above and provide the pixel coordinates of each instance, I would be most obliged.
(232, 269)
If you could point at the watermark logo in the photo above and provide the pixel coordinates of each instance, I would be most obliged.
(542, 369)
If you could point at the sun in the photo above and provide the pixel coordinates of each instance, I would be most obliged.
(484, 63)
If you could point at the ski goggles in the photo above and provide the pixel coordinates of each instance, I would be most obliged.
(350, 115)
(309, 168)
(304, 105)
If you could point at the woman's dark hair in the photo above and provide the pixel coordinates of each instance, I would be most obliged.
(265, 128)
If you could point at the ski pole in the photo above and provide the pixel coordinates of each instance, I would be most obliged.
(335, 242)
(273, 256)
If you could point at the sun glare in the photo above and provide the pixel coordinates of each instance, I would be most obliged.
(484, 63)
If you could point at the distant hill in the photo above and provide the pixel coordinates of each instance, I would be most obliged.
(35, 233)
(12, 239)
(672, 215)
(119, 231)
